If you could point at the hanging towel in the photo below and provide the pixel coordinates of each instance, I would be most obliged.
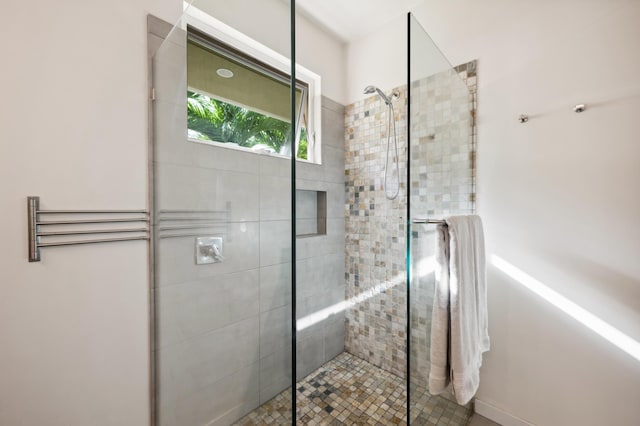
(440, 328)
(459, 333)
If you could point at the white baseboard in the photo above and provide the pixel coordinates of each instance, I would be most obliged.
(497, 415)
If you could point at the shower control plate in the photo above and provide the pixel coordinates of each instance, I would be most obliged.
(209, 250)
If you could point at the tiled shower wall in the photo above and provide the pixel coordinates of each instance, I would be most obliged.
(443, 149)
(320, 258)
(375, 236)
(442, 182)
(223, 331)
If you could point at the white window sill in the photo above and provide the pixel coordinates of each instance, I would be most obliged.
(236, 147)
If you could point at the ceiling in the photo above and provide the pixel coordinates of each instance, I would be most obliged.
(351, 19)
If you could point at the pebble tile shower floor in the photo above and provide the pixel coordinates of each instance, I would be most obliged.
(350, 391)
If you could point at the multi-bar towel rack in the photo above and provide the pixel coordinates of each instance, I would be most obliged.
(192, 223)
(87, 220)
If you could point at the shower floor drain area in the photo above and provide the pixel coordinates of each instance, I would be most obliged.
(350, 391)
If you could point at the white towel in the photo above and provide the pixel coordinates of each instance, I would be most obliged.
(459, 332)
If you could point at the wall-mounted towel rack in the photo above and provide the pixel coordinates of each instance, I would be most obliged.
(429, 221)
(128, 229)
(192, 223)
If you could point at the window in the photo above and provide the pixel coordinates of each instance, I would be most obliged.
(239, 101)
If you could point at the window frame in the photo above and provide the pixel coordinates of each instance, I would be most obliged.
(214, 33)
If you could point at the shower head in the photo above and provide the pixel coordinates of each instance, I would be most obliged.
(369, 90)
(372, 89)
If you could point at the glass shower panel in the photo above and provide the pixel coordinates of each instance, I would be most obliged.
(441, 182)
(320, 271)
(221, 213)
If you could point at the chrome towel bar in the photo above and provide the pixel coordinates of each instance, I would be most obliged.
(417, 221)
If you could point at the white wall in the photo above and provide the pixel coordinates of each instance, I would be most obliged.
(378, 59)
(558, 195)
(73, 129)
(268, 22)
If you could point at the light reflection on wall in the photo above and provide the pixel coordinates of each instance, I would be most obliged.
(604, 329)
(423, 268)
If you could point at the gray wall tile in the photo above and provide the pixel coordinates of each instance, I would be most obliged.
(275, 286)
(309, 276)
(218, 404)
(275, 330)
(275, 242)
(332, 242)
(307, 227)
(310, 354)
(176, 256)
(234, 194)
(333, 128)
(306, 204)
(194, 364)
(275, 166)
(335, 201)
(187, 310)
(333, 161)
(275, 373)
(332, 105)
(334, 336)
(275, 198)
(309, 171)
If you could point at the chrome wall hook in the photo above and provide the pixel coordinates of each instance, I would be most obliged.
(579, 108)
(523, 118)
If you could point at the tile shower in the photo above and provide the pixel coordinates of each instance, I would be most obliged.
(442, 182)
(223, 331)
(375, 237)
(343, 391)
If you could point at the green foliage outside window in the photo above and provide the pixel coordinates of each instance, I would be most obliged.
(214, 120)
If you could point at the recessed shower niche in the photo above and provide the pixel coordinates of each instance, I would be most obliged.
(311, 213)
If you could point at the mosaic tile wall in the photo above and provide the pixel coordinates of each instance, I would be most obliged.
(442, 182)
(443, 151)
(375, 236)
